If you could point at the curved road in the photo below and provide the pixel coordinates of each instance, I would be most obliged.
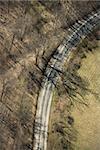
(78, 30)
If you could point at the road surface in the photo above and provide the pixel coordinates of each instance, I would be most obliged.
(78, 30)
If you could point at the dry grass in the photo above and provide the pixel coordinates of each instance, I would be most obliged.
(87, 121)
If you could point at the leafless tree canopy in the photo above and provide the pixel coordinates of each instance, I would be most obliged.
(30, 31)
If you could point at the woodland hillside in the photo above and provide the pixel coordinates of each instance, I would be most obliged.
(29, 33)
